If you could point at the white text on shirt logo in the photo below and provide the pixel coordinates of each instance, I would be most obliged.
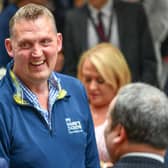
(73, 126)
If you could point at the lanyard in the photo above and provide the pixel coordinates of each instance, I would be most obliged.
(95, 26)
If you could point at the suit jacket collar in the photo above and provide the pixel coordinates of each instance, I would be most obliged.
(138, 162)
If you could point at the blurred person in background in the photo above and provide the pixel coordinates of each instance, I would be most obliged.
(1, 5)
(164, 50)
(61, 7)
(121, 23)
(157, 13)
(103, 71)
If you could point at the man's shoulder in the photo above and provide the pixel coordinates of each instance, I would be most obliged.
(66, 77)
(6, 93)
(3, 85)
(72, 85)
(128, 6)
(67, 80)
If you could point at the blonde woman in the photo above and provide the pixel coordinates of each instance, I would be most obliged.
(103, 71)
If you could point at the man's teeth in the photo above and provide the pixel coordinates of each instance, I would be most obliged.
(38, 62)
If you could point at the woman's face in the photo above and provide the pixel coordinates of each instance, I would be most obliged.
(99, 92)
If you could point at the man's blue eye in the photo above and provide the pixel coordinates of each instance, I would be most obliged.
(25, 45)
(46, 41)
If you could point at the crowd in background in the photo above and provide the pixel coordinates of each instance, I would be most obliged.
(157, 19)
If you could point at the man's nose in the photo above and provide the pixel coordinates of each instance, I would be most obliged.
(37, 50)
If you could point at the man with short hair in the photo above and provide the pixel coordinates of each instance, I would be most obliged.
(136, 134)
(10, 9)
(45, 121)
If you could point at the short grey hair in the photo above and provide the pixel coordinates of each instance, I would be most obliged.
(143, 111)
(30, 12)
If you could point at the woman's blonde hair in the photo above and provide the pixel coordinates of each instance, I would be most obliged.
(110, 64)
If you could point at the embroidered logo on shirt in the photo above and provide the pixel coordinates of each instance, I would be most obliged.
(73, 126)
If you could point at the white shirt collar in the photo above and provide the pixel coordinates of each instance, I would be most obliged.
(106, 9)
(148, 155)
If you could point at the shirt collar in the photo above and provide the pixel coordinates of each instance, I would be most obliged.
(54, 81)
(144, 154)
(106, 9)
(54, 84)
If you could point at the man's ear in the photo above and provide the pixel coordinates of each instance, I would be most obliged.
(8, 45)
(121, 134)
(59, 41)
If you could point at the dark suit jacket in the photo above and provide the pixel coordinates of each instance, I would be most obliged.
(138, 162)
(134, 36)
